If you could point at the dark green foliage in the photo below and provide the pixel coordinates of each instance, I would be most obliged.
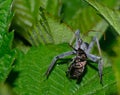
(111, 16)
(7, 56)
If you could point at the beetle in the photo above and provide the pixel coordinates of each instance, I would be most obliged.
(81, 50)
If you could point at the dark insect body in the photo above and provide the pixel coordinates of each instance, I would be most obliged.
(77, 66)
(82, 53)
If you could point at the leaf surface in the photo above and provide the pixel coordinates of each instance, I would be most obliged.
(7, 56)
(32, 80)
(111, 16)
(33, 23)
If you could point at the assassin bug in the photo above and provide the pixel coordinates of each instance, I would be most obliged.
(82, 53)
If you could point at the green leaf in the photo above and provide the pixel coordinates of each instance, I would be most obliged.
(111, 16)
(33, 65)
(116, 61)
(61, 33)
(53, 7)
(7, 56)
(79, 8)
(26, 12)
(36, 26)
(5, 15)
(5, 43)
(26, 15)
(76, 13)
(6, 62)
(69, 8)
(84, 19)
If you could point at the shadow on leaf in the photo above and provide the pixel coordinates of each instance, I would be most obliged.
(12, 78)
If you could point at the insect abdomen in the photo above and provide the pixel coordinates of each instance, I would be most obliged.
(76, 69)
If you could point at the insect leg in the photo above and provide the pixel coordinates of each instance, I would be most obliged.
(98, 60)
(91, 45)
(55, 59)
(77, 39)
(95, 39)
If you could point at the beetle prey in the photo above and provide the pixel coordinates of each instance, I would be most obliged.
(81, 50)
